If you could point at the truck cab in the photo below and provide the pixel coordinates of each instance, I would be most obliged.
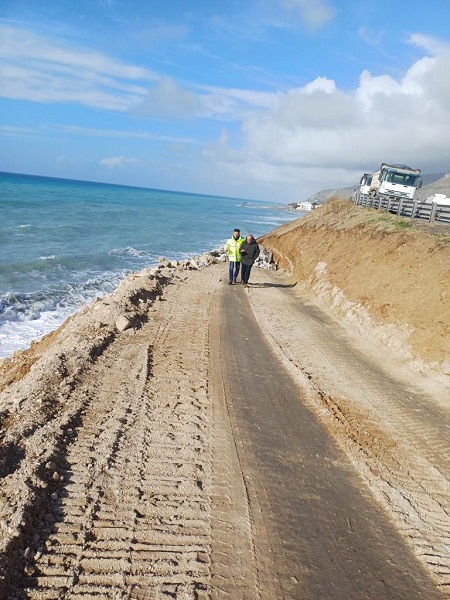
(396, 181)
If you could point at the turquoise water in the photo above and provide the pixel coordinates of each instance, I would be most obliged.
(64, 242)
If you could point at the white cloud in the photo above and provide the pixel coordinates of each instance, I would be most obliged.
(323, 129)
(117, 162)
(118, 134)
(151, 33)
(313, 12)
(11, 130)
(62, 160)
(48, 70)
(43, 69)
(167, 100)
(253, 20)
(372, 37)
(429, 44)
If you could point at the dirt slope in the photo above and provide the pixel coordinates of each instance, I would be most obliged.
(379, 273)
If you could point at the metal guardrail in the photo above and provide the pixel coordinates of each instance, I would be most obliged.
(414, 209)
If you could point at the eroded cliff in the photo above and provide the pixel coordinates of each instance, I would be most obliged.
(384, 275)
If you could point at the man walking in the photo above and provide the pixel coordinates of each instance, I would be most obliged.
(232, 248)
(249, 253)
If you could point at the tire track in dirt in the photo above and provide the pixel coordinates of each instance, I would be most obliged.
(132, 516)
(239, 537)
(395, 436)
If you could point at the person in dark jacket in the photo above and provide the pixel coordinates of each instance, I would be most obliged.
(249, 253)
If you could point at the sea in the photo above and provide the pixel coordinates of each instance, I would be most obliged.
(65, 242)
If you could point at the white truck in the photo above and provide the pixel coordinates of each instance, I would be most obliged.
(364, 185)
(395, 181)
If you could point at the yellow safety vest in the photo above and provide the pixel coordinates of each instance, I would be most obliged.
(232, 247)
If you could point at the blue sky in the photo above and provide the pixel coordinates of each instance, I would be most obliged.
(264, 99)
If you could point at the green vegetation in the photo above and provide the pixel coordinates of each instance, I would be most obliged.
(402, 224)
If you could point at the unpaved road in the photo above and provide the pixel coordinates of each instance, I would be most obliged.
(205, 456)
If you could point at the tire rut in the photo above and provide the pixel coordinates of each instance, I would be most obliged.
(131, 517)
(239, 538)
(394, 434)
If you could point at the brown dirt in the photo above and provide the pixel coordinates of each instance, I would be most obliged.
(382, 272)
(120, 471)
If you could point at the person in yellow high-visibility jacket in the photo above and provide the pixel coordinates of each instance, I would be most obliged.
(234, 256)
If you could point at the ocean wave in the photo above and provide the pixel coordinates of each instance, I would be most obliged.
(272, 221)
(27, 316)
(130, 252)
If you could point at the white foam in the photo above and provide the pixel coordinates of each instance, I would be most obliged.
(17, 335)
(130, 252)
(25, 318)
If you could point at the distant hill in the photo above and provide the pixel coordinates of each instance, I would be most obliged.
(323, 196)
(432, 177)
(439, 186)
(433, 183)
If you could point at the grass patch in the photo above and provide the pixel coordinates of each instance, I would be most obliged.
(402, 224)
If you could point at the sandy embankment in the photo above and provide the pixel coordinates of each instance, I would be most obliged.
(378, 274)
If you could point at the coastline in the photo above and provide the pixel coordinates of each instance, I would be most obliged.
(139, 358)
(78, 240)
(97, 322)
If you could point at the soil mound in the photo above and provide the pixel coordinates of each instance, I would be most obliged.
(383, 274)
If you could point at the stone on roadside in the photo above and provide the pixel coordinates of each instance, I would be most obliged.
(445, 367)
(122, 323)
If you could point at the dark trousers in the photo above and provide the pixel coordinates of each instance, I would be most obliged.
(246, 272)
(233, 270)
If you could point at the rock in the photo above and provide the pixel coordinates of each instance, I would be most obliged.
(202, 557)
(51, 466)
(122, 323)
(445, 367)
(164, 262)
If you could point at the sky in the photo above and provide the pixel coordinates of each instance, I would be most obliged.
(260, 99)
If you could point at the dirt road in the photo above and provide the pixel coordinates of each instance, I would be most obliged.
(203, 456)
